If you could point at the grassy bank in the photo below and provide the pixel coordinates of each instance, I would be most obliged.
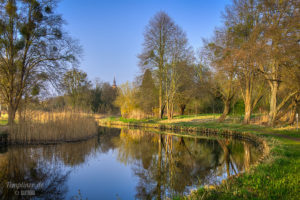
(3, 119)
(278, 177)
(3, 122)
(3, 128)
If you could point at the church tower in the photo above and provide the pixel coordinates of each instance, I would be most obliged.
(114, 84)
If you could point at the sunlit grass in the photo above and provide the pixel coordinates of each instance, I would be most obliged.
(192, 119)
(257, 129)
(165, 120)
(3, 122)
(3, 119)
(125, 120)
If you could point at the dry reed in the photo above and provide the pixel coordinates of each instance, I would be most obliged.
(52, 127)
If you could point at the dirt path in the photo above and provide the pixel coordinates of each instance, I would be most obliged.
(196, 119)
(286, 137)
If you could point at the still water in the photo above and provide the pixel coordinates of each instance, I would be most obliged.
(121, 164)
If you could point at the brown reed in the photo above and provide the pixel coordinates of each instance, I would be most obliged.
(52, 127)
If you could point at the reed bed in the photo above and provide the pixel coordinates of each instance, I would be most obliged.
(52, 127)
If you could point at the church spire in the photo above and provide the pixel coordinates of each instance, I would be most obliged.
(114, 83)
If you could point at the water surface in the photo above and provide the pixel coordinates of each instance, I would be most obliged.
(122, 164)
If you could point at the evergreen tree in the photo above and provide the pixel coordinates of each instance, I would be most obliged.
(148, 93)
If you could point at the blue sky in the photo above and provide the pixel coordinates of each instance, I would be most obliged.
(111, 31)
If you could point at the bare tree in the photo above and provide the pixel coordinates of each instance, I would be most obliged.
(186, 88)
(165, 45)
(279, 49)
(32, 47)
(180, 52)
(156, 50)
(241, 19)
(220, 56)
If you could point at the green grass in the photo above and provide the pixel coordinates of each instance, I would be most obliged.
(3, 122)
(260, 130)
(197, 115)
(278, 177)
(156, 120)
(150, 120)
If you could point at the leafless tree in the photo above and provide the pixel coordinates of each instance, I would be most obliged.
(156, 50)
(33, 48)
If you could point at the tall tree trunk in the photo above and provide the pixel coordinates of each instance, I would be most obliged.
(294, 109)
(273, 103)
(247, 95)
(11, 114)
(20, 118)
(161, 109)
(167, 105)
(292, 115)
(169, 110)
(225, 111)
(182, 108)
(248, 109)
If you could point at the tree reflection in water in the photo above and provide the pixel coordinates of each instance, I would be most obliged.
(170, 165)
(23, 165)
(164, 164)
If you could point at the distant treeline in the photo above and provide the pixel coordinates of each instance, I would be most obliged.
(80, 94)
(251, 64)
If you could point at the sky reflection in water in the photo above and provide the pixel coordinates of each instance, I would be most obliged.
(123, 164)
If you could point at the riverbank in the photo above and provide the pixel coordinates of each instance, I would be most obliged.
(277, 177)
